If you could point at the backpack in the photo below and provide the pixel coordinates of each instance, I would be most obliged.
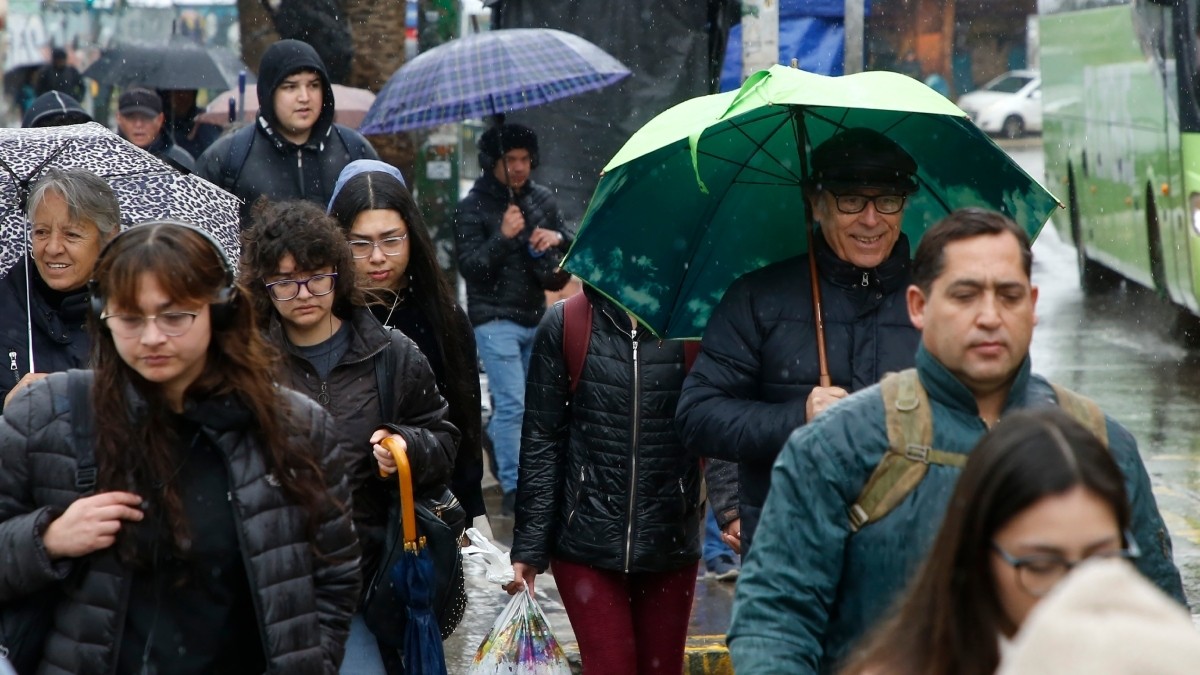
(239, 151)
(577, 335)
(25, 623)
(910, 435)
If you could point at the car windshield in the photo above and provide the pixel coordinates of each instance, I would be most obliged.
(1009, 84)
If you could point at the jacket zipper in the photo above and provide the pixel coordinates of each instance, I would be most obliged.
(126, 591)
(300, 169)
(12, 365)
(578, 496)
(633, 448)
(866, 279)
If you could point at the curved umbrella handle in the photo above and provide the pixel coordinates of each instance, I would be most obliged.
(408, 511)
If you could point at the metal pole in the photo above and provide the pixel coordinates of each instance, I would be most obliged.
(854, 37)
(760, 35)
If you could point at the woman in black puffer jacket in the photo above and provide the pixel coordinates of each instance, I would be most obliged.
(218, 538)
(607, 496)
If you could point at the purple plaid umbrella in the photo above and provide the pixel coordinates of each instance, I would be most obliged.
(489, 74)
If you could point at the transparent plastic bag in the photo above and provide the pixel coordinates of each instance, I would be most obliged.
(520, 643)
(496, 564)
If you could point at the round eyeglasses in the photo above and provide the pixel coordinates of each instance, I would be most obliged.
(885, 204)
(363, 248)
(1038, 574)
(287, 289)
(171, 324)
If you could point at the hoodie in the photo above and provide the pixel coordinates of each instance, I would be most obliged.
(274, 167)
(54, 109)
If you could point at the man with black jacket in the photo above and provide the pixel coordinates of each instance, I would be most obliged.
(140, 121)
(756, 379)
(293, 150)
(509, 238)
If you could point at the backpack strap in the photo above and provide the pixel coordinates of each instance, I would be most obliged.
(385, 383)
(1084, 410)
(577, 333)
(79, 390)
(239, 150)
(909, 454)
(691, 350)
(356, 150)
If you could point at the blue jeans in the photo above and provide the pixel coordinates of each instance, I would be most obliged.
(505, 348)
(362, 651)
(714, 546)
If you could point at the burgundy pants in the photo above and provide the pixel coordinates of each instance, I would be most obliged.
(627, 623)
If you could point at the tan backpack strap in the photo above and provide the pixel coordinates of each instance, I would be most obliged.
(910, 435)
(1084, 410)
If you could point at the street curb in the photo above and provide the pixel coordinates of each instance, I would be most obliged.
(703, 655)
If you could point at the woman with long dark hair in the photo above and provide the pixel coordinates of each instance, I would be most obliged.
(218, 537)
(405, 288)
(1039, 494)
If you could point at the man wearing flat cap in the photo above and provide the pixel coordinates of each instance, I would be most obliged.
(140, 121)
(757, 377)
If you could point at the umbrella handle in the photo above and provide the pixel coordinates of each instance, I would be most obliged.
(408, 512)
(818, 315)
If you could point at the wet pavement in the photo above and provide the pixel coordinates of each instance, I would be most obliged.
(1117, 349)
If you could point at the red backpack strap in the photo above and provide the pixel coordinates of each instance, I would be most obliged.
(577, 333)
(691, 349)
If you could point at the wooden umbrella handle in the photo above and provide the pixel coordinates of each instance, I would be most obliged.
(408, 511)
(818, 315)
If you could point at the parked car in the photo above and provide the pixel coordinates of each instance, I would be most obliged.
(1009, 106)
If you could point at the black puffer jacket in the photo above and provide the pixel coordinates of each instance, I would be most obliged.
(60, 338)
(304, 592)
(747, 391)
(604, 481)
(351, 395)
(276, 167)
(505, 282)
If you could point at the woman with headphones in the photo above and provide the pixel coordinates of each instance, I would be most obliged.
(184, 513)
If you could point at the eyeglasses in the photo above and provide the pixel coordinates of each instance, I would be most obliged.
(885, 204)
(171, 324)
(287, 289)
(363, 248)
(1039, 574)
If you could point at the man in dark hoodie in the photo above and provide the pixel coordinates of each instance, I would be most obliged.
(54, 109)
(293, 150)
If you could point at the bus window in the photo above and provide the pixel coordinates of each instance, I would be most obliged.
(1187, 21)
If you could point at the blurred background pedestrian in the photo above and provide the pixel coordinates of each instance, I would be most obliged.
(140, 121)
(181, 127)
(54, 109)
(59, 75)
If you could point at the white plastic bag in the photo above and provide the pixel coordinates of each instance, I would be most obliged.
(520, 643)
(496, 562)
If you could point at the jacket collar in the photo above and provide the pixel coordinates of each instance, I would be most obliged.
(488, 184)
(891, 275)
(316, 140)
(367, 336)
(944, 387)
(72, 309)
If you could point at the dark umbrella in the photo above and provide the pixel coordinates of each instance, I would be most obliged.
(414, 582)
(488, 74)
(179, 64)
(146, 188)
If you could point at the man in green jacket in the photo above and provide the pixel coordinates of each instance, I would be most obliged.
(811, 586)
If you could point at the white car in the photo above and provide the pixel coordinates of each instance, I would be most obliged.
(1010, 105)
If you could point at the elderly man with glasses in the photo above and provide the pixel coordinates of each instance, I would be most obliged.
(757, 377)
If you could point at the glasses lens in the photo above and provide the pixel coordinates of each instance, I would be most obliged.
(361, 249)
(888, 204)
(1038, 577)
(320, 285)
(392, 245)
(126, 326)
(851, 203)
(174, 324)
(284, 290)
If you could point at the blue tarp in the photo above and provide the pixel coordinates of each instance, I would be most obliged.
(809, 30)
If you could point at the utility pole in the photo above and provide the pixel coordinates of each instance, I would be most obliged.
(436, 162)
(760, 35)
(854, 37)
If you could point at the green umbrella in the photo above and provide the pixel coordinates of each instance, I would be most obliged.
(711, 188)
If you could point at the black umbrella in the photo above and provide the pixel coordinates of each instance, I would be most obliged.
(179, 64)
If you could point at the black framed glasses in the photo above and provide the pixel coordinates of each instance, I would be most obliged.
(171, 324)
(1039, 574)
(363, 248)
(885, 204)
(287, 289)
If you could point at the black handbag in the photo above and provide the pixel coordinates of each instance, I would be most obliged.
(25, 622)
(440, 521)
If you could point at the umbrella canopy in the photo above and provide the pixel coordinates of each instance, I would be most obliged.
(712, 188)
(350, 106)
(146, 188)
(490, 73)
(179, 64)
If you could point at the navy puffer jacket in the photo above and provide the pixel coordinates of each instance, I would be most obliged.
(759, 362)
(604, 480)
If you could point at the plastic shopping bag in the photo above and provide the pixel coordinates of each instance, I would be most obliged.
(520, 643)
(496, 563)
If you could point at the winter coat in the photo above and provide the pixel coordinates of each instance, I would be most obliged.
(304, 591)
(351, 395)
(811, 588)
(163, 148)
(504, 281)
(604, 480)
(748, 389)
(60, 337)
(276, 167)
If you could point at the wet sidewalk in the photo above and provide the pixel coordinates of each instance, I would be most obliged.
(706, 653)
